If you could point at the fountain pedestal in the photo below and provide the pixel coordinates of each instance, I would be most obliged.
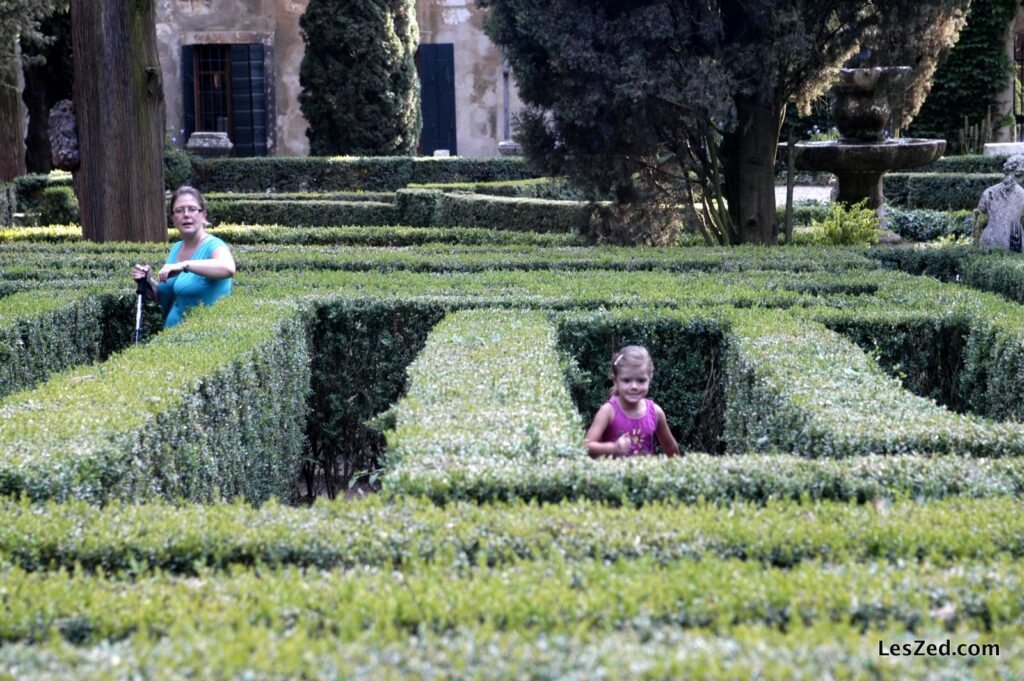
(862, 155)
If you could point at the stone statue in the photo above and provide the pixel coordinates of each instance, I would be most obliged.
(1001, 207)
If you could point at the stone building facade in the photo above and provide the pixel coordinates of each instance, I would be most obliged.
(233, 66)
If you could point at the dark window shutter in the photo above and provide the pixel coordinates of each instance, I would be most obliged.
(437, 97)
(248, 100)
(188, 90)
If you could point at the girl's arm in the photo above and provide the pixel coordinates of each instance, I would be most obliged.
(664, 435)
(596, 448)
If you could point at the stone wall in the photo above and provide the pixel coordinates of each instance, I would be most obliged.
(479, 94)
(274, 23)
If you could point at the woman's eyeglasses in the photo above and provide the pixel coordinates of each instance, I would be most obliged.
(181, 210)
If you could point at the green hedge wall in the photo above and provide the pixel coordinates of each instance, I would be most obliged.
(801, 389)
(143, 538)
(215, 407)
(835, 650)
(552, 188)
(926, 225)
(308, 174)
(966, 164)
(360, 354)
(538, 215)
(937, 191)
(303, 213)
(467, 400)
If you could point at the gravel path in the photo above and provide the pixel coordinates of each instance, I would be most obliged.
(804, 193)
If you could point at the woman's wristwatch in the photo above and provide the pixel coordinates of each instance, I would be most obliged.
(187, 268)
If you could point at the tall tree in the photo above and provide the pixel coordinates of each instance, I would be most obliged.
(680, 102)
(19, 21)
(119, 104)
(360, 90)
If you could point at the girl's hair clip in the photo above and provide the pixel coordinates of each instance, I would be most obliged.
(615, 363)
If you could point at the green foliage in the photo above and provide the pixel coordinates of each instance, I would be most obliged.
(360, 354)
(937, 191)
(537, 215)
(977, 70)
(487, 388)
(360, 89)
(965, 164)
(58, 206)
(928, 225)
(177, 167)
(311, 174)
(855, 225)
(43, 331)
(556, 189)
(180, 418)
(302, 213)
(640, 103)
(779, 530)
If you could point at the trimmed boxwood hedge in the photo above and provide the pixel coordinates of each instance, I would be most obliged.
(937, 191)
(965, 164)
(213, 408)
(303, 213)
(283, 174)
(392, 534)
(488, 386)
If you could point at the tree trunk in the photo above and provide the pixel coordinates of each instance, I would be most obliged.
(45, 85)
(119, 103)
(12, 126)
(748, 157)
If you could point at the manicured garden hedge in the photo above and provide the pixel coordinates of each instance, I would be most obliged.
(650, 652)
(45, 331)
(392, 534)
(552, 188)
(487, 386)
(937, 191)
(798, 388)
(215, 407)
(563, 598)
(303, 213)
(282, 174)
(965, 164)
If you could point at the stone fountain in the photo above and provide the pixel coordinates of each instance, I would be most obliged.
(862, 155)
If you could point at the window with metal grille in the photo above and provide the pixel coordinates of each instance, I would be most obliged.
(212, 65)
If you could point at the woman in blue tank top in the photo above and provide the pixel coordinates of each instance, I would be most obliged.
(199, 267)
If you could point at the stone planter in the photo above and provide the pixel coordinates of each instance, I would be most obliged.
(210, 144)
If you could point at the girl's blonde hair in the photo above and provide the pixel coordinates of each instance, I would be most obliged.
(630, 355)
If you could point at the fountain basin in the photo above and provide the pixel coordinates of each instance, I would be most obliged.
(840, 157)
(859, 167)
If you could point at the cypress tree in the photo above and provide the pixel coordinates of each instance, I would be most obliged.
(360, 89)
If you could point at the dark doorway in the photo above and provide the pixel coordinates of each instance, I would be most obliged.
(436, 64)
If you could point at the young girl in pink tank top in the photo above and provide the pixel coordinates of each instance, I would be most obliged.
(628, 422)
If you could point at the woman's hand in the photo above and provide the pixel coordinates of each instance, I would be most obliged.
(141, 272)
(171, 269)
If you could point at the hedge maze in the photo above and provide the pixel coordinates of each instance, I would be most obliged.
(851, 422)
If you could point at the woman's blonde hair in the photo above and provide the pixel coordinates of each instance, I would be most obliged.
(630, 355)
